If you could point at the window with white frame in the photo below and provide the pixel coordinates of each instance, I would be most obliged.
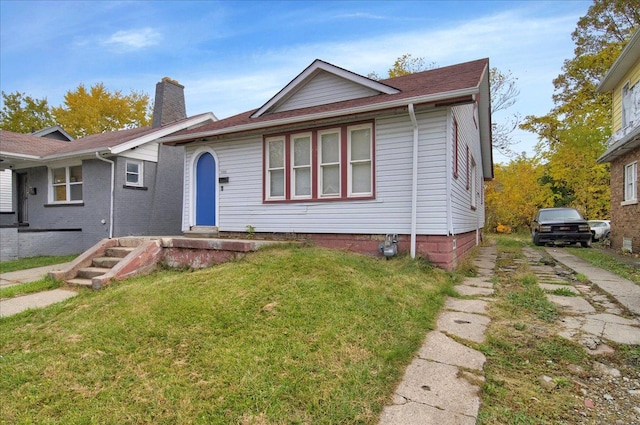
(329, 181)
(631, 182)
(359, 151)
(301, 166)
(276, 168)
(133, 173)
(66, 184)
(334, 163)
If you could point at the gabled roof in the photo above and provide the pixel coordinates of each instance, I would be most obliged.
(54, 132)
(318, 67)
(465, 82)
(16, 146)
(440, 85)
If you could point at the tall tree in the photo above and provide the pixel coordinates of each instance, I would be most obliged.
(516, 183)
(24, 114)
(97, 110)
(504, 94)
(579, 110)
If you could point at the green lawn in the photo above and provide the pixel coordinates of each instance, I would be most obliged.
(31, 262)
(286, 335)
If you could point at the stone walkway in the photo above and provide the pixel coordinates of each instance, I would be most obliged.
(608, 309)
(442, 384)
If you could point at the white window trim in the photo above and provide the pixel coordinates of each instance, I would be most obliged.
(268, 168)
(350, 162)
(630, 189)
(321, 164)
(140, 173)
(67, 184)
(294, 167)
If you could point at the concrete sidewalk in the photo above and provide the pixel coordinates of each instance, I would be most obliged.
(27, 275)
(18, 304)
(623, 290)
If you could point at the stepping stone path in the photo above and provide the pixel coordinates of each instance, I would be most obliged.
(442, 384)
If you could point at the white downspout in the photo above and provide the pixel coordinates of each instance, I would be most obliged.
(113, 177)
(414, 182)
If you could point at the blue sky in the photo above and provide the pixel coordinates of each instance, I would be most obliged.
(233, 56)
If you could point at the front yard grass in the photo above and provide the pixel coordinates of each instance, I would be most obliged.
(40, 285)
(286, 335)
(608, 262)
(31, 262)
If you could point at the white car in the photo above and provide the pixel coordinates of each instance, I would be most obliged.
(600, 229)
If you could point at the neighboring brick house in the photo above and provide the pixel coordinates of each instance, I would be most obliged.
(70, 195)
(623, 151)
(343, 160)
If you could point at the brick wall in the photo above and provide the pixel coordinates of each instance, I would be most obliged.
(8, 243)
(438, 249)
(22, 243)
(625, 219)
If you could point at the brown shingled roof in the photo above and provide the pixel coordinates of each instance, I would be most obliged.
(452, 78)
(27, 144)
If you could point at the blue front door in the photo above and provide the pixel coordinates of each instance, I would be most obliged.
(206, 190)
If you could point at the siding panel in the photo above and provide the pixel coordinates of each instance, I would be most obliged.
(241, 199)
(325, 88)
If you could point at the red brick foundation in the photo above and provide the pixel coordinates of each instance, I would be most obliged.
(438, 249)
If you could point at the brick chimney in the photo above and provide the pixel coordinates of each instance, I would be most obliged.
(169, 103)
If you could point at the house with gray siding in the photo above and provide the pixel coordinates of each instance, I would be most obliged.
(7, 210)
(70, 195)
(348, 162)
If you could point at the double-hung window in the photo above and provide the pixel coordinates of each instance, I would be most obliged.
(133, 173)
(631, 182)
(360, 160)
(329, 141)
(301, 166)
(66, 184)
(275, 168)
(335, 163)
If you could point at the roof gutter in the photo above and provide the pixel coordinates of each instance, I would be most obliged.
(113, 178)
(322, 115)
(414, 181)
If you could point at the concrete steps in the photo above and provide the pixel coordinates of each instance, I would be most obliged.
(102, 263)
(202, 232)
(116, 259)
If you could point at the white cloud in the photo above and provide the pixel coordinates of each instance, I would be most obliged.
(130, 40)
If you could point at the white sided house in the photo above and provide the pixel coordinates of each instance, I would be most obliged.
(344, 161)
